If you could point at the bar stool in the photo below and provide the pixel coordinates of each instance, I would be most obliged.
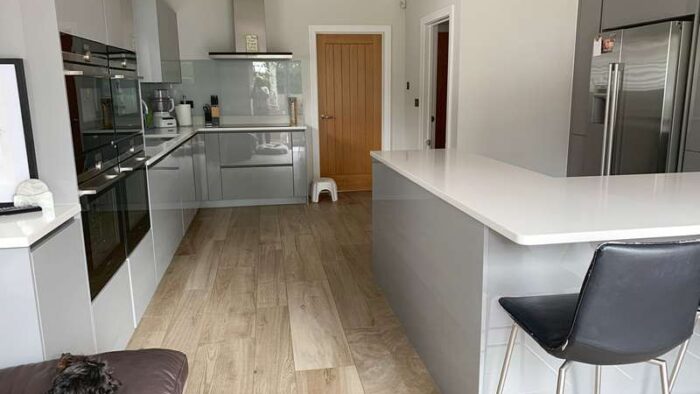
(637, 302)
(681, 357)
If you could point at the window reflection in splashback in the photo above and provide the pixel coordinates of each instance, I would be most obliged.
(249, 91)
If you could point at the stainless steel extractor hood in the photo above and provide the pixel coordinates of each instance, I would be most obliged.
(249, 20)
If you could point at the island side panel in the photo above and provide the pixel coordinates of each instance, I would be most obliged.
(516, 270)
(428, 259)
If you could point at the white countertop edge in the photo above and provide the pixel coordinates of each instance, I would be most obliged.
(252, 128)
(169, 146)
(40, 226)
(548, 238)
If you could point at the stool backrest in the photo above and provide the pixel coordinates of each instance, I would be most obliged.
(638, 301)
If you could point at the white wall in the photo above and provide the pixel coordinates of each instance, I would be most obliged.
(206, 25)
(516, 80)
(29, 30)
(414, 13)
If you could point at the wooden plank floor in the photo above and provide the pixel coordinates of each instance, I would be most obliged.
(281, 299)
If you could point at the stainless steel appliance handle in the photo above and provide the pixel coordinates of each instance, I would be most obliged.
(617, 75)
(165, 169)
(611, 103)
(126, 77)
(95, 189)
(81, 73)
(141, 162)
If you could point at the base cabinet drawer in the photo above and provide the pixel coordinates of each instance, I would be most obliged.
(142, 268)
(63, 295)
(113, 313)
(251, 183)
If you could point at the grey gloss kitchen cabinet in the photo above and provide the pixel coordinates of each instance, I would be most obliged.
(199, 158)
(142, 272)
(157, 41)
(44, 293)
(62, 291)
(584, 149)
(84, 18)
(256, 168)
(166, 210)
(107, 21)
(622, 13)
(119, 22)
(113, 312)
(172, 188)
(186, 180)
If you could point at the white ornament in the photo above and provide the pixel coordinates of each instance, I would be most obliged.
(34, 192)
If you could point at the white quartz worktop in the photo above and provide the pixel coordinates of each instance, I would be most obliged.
(250, 128)
(530, 208)
(23, 230)
(157, 146)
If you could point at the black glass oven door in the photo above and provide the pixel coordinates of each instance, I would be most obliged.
(126, 101)
(136, 211)
(90, 107)
(102, 214)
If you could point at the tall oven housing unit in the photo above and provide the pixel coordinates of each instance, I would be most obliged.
(636, 101)
(104, 102)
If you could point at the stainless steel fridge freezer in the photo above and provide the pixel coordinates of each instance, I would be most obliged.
(637, 96)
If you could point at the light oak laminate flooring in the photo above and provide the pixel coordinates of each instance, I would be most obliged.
(282, 299)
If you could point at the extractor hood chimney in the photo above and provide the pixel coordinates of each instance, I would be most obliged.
(249, 30)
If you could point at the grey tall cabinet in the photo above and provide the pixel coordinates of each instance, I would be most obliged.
(596, 16)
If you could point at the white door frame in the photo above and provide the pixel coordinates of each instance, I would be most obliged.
(312, 107)
(428, 48)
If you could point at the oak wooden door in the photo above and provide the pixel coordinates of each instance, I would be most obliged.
(350, 107)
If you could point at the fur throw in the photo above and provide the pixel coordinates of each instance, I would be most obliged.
(83, 375)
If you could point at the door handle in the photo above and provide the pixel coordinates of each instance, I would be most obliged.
(327, 117)
(611, 104)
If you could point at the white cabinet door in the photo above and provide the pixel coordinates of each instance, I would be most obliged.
(113, 313)
(257, 183)
(120, 24)
(83, 18)
(166, 211)
(187, 184)
(63, 294)
(142, 267)
(200, 169)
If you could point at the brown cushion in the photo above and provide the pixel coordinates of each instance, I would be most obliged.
(149, 371)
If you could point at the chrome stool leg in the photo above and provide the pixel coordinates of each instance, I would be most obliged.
(561, 378)
(598, 378)
(664, 374)
(506, 361)
(679, 361)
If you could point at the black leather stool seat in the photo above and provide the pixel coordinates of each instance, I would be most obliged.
(547, 319)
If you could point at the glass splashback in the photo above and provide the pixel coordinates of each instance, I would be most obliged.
(245, 88)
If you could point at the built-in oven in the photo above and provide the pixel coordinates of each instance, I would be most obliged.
(89, 93)
(104, 100)
(126, 93)
(137, 219)
(101, 200)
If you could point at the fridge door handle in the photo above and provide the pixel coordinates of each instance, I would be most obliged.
(611, 106)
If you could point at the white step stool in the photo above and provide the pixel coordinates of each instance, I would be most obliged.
(324, 184)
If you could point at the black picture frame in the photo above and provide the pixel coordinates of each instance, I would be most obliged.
(26, 114)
